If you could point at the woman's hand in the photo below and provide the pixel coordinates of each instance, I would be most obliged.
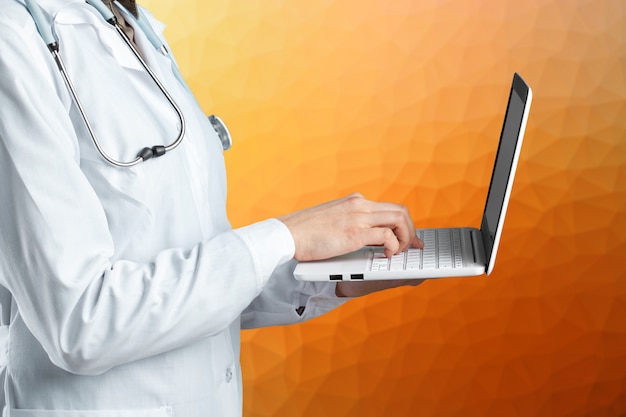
(348, 224)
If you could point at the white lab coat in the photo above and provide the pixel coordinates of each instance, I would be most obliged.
(128, 285)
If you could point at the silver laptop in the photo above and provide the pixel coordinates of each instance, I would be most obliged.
(448, 252)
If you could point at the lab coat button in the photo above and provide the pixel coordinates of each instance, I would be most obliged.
(229, 375)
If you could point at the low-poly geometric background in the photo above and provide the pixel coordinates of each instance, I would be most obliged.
(403, 100)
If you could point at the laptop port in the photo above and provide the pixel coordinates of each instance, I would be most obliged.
(336, 278)
(356, 276)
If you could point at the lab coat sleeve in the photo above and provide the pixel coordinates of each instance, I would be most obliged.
(88, 312)
(283, 295)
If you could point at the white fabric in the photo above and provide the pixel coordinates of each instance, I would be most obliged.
(129, 283)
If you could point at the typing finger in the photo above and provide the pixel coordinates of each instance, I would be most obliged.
(412, 239)
(383, 236)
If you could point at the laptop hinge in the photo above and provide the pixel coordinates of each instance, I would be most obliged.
(478, 247)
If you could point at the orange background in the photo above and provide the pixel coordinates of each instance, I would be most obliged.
(403, 101)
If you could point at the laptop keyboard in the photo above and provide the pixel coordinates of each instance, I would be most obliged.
(442, 249)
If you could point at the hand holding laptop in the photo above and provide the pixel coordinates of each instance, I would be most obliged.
(347, 224)
(361, 288)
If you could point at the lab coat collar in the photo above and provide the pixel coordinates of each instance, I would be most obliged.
(141, 40)
(79, 13)
(52, 6)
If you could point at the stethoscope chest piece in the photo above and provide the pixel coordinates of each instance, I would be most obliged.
(222, 131)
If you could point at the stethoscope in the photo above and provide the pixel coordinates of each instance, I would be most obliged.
(148, 152)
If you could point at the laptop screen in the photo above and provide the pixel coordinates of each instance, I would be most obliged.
(504, 168)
